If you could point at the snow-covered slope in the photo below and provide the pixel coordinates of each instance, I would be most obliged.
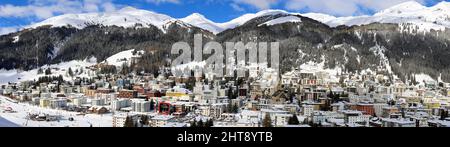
(57, 69)
(123, 57)
(246, 17)
(319, 17)
(282, 20)
(126, 17)
(200, 21)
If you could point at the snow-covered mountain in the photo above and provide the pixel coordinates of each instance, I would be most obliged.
(126, 17)
(200, 21)
(424, 18)
(413, 13)
(131, 17)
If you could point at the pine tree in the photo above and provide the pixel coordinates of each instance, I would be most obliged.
(129, 122)
(331, 95)
(144, 119)
(200, 123)
(267, 121)
(40, 71)
(443, 114)
(152, 105)
(293, 120)
(194, 124)
(125, 69)
(70, 72)
(235, 109)
(48, 71)
(210, 123)
(230, 107)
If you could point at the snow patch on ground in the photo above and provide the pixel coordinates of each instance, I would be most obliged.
(16, 39)
(313, 67)
(319, 17)
(282, 20)
(421, 78)
(56, 69)
(123, 57)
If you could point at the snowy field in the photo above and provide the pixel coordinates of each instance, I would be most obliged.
(19, 118)
(6, 123)
(19, 76)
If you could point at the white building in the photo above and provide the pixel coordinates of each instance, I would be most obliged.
(35, 100)
(355, 117)
(282, 119)
(203, 110)
(98, 102)
(273, 115)
(160, 120)
(249, 118)
(117, 104)
(107, 97)
(378, 108)
(58, 103)
(79, 101)
(393, 122)
(324, 116)
(120, 118)
(217, 109)
(338, 106)
(140, 105)
(308, 110)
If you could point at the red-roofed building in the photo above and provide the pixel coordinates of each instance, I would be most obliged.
(367, 109)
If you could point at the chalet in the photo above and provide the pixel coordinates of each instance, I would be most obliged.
(98, 110)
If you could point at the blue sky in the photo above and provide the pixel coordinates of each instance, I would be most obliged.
(17, 13)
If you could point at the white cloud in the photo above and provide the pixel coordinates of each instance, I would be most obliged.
(163, 1)
(236, 7)
(7, 30)
(42, 9)
(109, 7)
(260, 4)
(342, 7)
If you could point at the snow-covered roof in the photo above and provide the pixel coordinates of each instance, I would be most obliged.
(162, 117)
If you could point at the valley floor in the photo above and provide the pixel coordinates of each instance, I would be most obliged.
(19, 117)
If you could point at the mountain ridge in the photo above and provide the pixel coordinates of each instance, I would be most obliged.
(426, 18)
